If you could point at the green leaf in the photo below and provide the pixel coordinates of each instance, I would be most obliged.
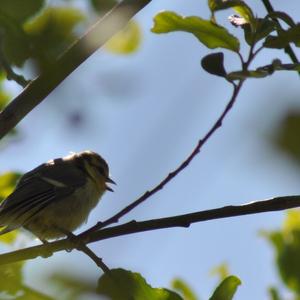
(292, 221)
(8, 182)
(286, 137)
(284, 37)
(286, 243)
(11, 278)
(222, 271)
(245, 11)
(20, 10)
(207, 32)
(15, 47)
(126, 285)
(52, 32)
(226, 289)
(126, 41)
(185, 290)
(274, 294)
(9, 237)
(214, 64)
(4, 98)
(239, 6)
(56, 21)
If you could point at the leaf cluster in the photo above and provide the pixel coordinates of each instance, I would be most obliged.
(258, 34)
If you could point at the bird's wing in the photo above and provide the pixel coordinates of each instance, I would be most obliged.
(59, 172)
(36, 190)
(24, 202)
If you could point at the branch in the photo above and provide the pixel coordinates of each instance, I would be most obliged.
(288, 50)
(115, 218)
(274, 204)
(83, 48)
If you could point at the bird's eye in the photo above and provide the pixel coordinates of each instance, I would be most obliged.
(100, 169)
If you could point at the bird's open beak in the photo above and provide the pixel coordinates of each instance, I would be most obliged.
(109, 181)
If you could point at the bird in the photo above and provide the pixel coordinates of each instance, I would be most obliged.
(57, 196)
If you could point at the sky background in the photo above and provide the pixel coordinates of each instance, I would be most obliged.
(144, 113)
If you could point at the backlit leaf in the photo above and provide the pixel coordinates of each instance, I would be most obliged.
(183, 288)
(126, 41)
(226, 289)
(126, 285)
(207, 32)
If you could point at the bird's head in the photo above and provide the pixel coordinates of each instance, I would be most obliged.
(96, 167)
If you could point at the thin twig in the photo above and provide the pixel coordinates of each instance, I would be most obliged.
(80, 245)
(10, 74)
(274, 204)
(82, 49)
(174, 173)
(96, 259)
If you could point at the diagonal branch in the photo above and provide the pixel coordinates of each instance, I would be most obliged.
(274, 204)
(82, 49)
(218, 123)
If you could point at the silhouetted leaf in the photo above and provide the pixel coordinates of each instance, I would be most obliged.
(284, 37)
(282, 16)
(261, 29)
(207, 32)
(126, 285)
(226, 289)
(214, 64)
